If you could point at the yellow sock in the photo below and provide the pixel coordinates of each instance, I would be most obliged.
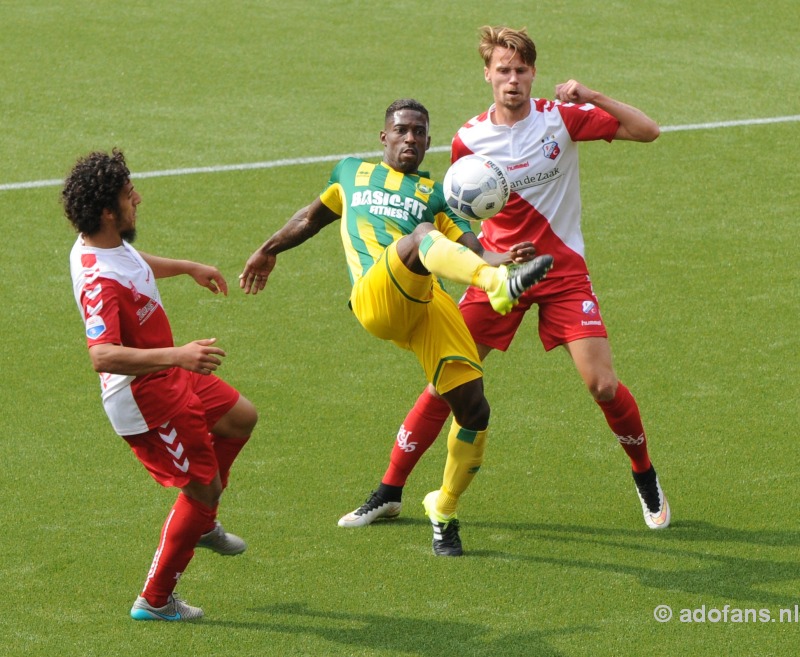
(443, 257)
(465, 449)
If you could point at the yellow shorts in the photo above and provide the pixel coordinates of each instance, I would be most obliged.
(415, 313)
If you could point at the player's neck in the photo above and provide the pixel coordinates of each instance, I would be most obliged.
(103, 240)
(508, 116)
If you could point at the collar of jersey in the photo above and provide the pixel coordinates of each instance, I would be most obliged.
(421, 174)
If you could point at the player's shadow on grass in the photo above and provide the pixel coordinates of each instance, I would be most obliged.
(713, 560)
(395, 635)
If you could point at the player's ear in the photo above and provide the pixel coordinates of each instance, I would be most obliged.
(486, 73)
(108, 216)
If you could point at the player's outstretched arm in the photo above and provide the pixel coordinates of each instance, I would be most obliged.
(304, 224)
(205, 275)
(199, 356)
(634, 125)
(209, 277)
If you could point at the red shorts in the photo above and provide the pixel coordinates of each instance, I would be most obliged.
(181, 450)
(568, 311)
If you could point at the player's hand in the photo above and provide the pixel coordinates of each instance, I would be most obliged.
(256, 272)
(209, 277)
(200, 356)
(573, 91)
(522, 252)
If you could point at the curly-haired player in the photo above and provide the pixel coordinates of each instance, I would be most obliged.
(184, 424)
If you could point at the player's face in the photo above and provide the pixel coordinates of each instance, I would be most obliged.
(510, 77)
(405, 140)
(126, 214)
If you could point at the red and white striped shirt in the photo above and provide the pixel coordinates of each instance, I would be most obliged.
(540, 158)
(116, 293)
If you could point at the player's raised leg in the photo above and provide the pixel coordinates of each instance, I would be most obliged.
(503, 285)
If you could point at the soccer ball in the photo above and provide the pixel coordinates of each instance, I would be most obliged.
(475, 188)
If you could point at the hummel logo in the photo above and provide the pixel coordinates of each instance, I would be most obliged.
(93, 310)
(183, 467)
(168, 438)
(92, 294)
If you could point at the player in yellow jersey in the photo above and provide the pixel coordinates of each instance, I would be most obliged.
(399, 235)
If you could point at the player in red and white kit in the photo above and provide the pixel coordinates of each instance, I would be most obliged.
(184, 424)
(536, 143)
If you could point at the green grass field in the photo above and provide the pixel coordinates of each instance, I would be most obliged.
(693, 246)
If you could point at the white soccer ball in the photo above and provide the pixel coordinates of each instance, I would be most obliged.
(476, 187)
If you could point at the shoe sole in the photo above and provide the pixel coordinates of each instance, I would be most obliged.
(144, 615)
(140, 614)
(221, 552)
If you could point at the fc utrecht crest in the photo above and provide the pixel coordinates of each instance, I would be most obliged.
(551, 149)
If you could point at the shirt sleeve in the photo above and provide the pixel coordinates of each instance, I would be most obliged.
(100, 305)
(333, 194)
(586, 122)
(445, 220)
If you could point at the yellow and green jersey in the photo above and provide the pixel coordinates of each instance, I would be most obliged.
(379, 205)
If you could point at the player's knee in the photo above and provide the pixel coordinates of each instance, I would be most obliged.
(408, 248)
(207, 494)
(249, 417)
(215, 492)
(603, 388)
(421, 230)
(473, 415)
(238, 422)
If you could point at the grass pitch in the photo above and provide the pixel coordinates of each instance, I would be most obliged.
(692, 242)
